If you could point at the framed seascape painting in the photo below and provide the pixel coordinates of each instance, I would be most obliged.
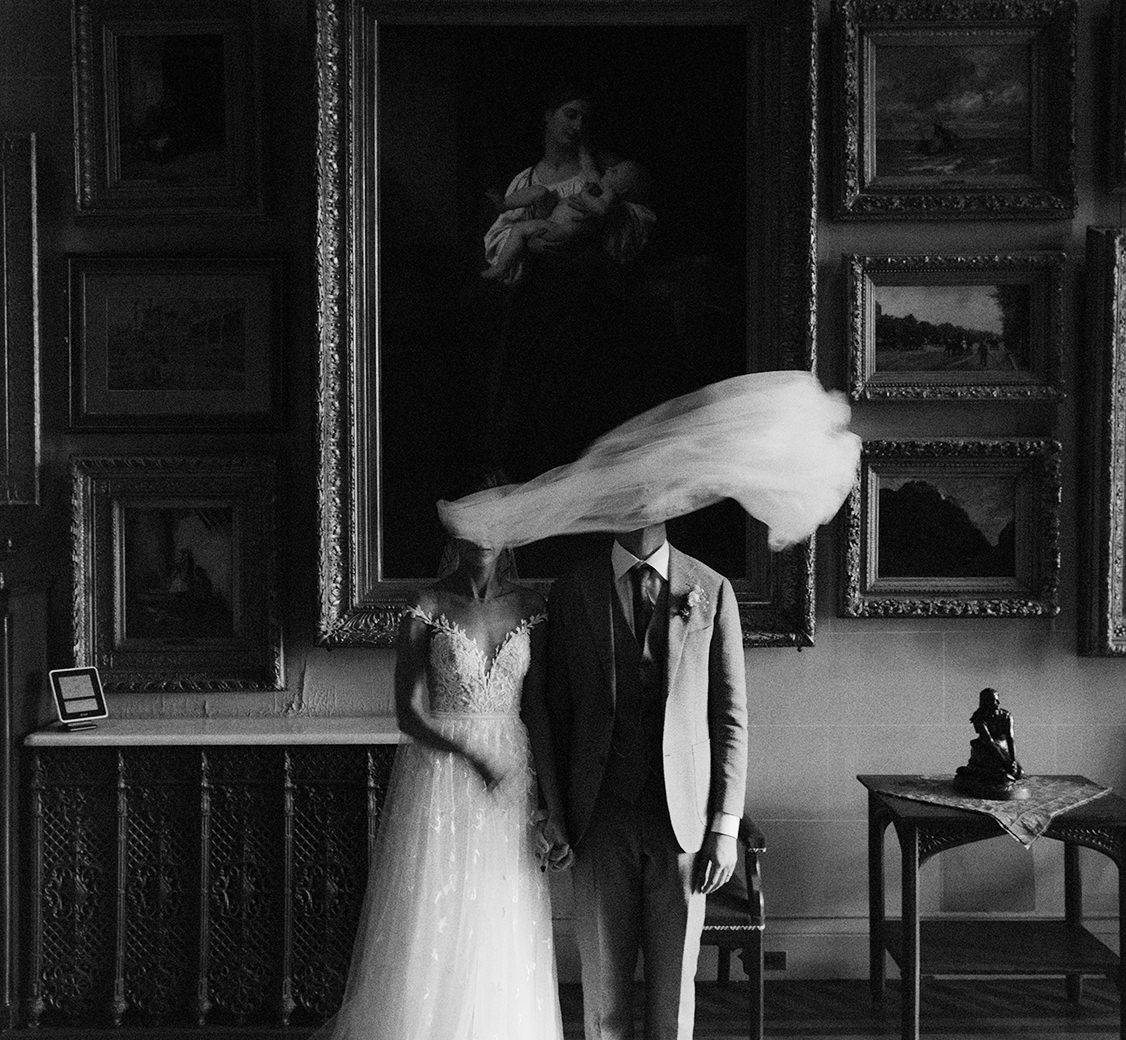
(174, 343)
(450, 342)
(945, 528)
(168, 107)
(1102, 584)
(931, 327)
(954, 109)
(175, 584)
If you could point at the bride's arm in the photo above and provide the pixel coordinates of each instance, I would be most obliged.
(412, 698)
(533, 710)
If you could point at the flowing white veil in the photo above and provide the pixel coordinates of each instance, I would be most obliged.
(776, 442)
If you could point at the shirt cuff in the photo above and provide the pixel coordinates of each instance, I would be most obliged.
(725, 823)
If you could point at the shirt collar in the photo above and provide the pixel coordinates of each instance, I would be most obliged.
(621, 559)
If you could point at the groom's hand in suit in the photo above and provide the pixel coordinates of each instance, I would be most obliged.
(715, 862)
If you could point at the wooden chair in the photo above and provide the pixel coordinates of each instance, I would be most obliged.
(734, 920)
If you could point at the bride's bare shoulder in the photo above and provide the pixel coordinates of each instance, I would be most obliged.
(431, 600)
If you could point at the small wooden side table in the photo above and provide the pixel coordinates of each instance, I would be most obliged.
(986, 946)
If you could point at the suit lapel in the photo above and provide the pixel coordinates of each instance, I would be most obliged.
(595, 586)
(681, 576)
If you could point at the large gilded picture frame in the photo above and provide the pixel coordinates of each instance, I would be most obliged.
(1102, 571)
(403, 168)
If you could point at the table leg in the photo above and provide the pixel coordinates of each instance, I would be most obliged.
(876, 826)
(909, 956)
(1121, 952)
(1072, 911)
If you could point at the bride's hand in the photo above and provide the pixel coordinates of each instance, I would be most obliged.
(491, 774)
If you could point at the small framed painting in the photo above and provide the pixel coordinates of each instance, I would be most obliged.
(954, 109)
(955, 327)
(954, 528)
(174, 343)
(168, 107)
(175, 572)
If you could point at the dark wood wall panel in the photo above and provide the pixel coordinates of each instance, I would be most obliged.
(215, 886)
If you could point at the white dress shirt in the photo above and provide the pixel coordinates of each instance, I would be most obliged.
(623, 561)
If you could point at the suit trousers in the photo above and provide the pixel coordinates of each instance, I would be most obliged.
(633, 891)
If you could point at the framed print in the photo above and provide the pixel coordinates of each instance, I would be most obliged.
(175, 584)
(174, 343)
(954, 109)
(168, 107)
(955, 327)
(954, 528)
(427, 368)
(1102, 585)
(19, 308)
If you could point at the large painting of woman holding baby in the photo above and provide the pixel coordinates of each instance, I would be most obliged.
(563, 226)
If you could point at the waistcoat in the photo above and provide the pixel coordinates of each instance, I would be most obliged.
(639, 706)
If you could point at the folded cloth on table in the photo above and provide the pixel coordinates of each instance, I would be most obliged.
(1025, 819)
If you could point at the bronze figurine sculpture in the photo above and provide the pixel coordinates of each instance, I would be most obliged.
(993, 770)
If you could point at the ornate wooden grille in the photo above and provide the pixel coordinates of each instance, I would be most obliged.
(197, 886)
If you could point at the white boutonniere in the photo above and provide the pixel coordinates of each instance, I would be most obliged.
(693, 600)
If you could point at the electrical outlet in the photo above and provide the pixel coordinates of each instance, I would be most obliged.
(774, 960)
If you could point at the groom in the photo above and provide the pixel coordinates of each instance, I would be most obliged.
(649, 715)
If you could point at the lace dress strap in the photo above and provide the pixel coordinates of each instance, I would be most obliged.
(444, 624)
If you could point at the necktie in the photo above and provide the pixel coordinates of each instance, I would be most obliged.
(641, 575)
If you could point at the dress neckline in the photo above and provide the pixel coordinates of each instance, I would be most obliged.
(444, 624)
(536, 178)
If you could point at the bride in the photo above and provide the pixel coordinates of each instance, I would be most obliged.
(455, 935)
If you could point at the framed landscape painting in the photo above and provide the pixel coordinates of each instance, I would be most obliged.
(175, 572)
(174, 343)
(954, 109)
(946, 528)
(932, 327)
(168, 107)
(429, 371)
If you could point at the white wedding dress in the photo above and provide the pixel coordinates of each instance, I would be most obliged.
(455, 935)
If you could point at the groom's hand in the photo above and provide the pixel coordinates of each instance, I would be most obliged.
(560, 855)
(715, 862)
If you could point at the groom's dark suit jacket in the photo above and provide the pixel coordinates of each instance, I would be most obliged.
(704, 739)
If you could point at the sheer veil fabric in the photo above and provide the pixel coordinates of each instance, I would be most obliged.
(776, 442)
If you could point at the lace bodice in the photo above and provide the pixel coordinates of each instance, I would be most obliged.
(463, 681)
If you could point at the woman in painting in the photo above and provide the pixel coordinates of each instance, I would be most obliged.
(556, 382)
(455, 936)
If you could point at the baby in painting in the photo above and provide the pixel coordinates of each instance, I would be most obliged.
(569, 219)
